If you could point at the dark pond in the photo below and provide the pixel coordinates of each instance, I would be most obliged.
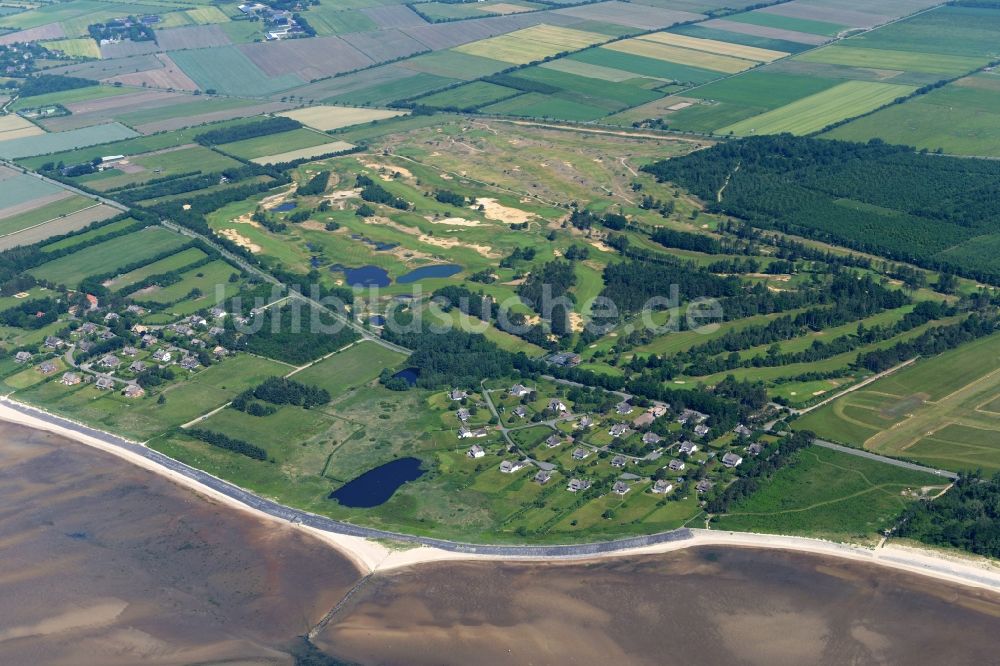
(377, 485)
(366, 276)
(376, 320)
(285, 207)
(436, 271)
(409, 374)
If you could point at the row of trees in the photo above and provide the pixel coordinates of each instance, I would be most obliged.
(228, 443)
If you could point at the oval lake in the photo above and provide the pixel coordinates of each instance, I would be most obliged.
(377, 485)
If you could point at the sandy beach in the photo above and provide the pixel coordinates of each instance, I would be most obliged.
(371, 556)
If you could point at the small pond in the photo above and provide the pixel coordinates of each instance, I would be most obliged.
(377, 485)
(285, 207)
(409, 374)
(366, 276)
(376, 320)
(424, 272)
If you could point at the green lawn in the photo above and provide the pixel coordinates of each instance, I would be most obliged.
(353, 367)
(828, 494)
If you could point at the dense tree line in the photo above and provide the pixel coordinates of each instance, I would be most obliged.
(375, 193)
(931, 342)
(114, 30)
(155, 376)
(250, 130)
(194, 183)
(631, 284)
(451, 198)
(34, 314)
(228, 443)
(316, 185)
(684, 240)
(453, 358)
(283, 391)
(966, 517)
(756, 471)
(44, 84)
(282, 337)
(485, 307)
(890, 200)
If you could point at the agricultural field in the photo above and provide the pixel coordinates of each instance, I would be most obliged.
(105, 257)
(326, 118)
(961, 118)
(531, 44)
(939, 411)
(229, 71)
(271, 144)
(158, 164)
(52, 143)
(817, 111)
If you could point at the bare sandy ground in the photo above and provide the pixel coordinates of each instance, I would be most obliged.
(373, 556)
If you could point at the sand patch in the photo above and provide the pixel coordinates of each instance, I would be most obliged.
(386, 171)
(313, 225)
(448, 243)
(575, 322)
(340, 195)
(269, 202)
(241, 240)
(495, 210)
(92, 616)
(454, 221)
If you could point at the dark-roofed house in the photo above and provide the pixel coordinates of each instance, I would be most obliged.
(463, 415)
(619, 461)
(520, 412)
(88, 327)
(701, 430)
(732, 459)
(110, 361)
(70, 379)
(755, 449)
(585, 422)
(677, 465)
(519, 391)
(543, 476)
(189, 362)
(458, 394)
(22, 357)
(567, 359)
(580, 454)
(511, 466)
(105, 383)
(620, 488)
(133, 391)
(688, 447)
(553, 441)
(742, 430)
(662, 487)
(137, 366)
(148, 339)
(651, 438)
(129, 351)
(557, 405)
(52, 342)
(576, 485)
(623, 408)
(704, 486)
(475, 451)
(619, 430)
(47, 368)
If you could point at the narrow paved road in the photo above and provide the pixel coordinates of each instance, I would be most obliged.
(338, 527)
(883, 459)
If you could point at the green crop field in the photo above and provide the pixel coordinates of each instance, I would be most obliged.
(70, 96)
(537, 105)
(961, 31)
(769, 20)
(470, 95)
(205, 279)
(417, 84)
(350, 368)
(166, 265)
(454, 64)
(907, 61)
(227, 70)
(936, 411)
(44, 144)
(104, 257)
(595, 92)
(532, 44)
(816, 111)
(44, 213)
(273, 144)
(962, 118)
(642, 66)
(829, 494)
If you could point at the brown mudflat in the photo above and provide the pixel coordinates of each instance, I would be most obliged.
(704, 606)
(105, 563)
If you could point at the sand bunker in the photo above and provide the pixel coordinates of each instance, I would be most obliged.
(239, 239)
(386, 171)
(455, 221)
(495, 210)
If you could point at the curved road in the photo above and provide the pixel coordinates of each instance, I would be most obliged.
(328, 524)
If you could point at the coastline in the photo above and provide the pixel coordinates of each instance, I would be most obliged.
(371, 556)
